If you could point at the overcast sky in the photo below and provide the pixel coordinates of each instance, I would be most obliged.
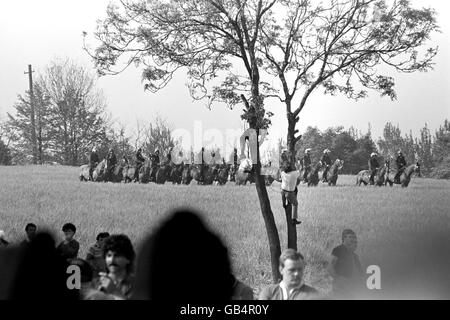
(35, 32)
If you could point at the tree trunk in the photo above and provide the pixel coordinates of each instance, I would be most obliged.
(269, 220)
(291, 229)
(291, 142)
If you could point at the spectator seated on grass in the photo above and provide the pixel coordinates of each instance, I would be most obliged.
(68, 248)
(291, 287)
(95, 254)
(117, 282)
(40, 273)
(184, 261)
(87, 290)
(30, 230)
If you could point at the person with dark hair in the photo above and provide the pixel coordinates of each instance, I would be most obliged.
(184, 261)
(155, 158)
(291, 287)
(30, 230)
(95, 254)
(68, 248)
(139, 162)
(41, 273)
(306, 164)
(400, 161)
(119, 255)
(344, 265)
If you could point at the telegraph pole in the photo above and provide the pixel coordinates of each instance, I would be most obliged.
(33, 124)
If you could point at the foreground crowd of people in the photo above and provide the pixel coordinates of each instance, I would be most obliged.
(182, 260)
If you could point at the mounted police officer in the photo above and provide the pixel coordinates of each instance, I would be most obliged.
(202, 165)
(306, 163)
(401, 165)
(139, 162)
(169, 156)
(93, 161)
(325, 160)
(155, 158)
(373, 167)
(111, 162)
(235, 166)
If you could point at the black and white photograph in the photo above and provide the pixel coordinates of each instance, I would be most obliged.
(222, 154)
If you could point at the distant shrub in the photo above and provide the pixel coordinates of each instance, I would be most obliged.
(442, 170)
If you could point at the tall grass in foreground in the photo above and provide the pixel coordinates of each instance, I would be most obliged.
(398, 229)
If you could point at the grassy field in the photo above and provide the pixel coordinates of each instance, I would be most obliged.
(404, 231)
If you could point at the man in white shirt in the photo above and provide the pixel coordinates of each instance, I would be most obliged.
(289, 181)
(292, 287)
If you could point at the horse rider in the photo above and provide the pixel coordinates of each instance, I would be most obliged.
(155, 158)
(111, 161)
(306, 163)
(202, 165)
(234, 166)
(169, 157)
(401, 165)
(139, 159)
(93, 161)
(373, 166)
(213, 158)
(325, 160)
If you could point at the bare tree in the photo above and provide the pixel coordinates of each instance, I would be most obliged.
(77, 118)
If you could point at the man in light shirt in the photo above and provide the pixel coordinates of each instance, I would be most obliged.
(292, 287)
(289, 181)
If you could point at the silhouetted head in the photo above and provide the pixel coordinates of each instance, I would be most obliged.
(417, 169)
(41, 273)
(183, 260)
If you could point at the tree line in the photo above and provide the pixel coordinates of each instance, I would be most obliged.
(432, 150)
(70, 117)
